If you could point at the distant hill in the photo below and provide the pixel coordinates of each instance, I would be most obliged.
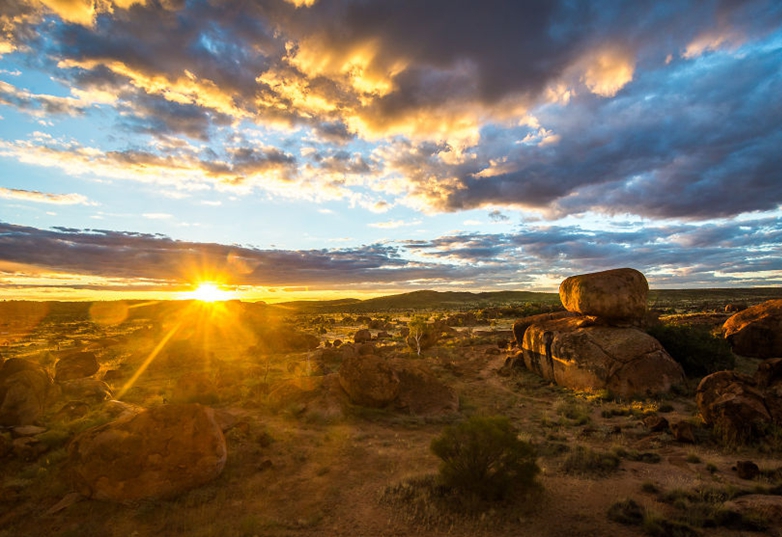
(424, 300)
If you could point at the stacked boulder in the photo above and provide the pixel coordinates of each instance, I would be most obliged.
(595, 344)
(739, 406)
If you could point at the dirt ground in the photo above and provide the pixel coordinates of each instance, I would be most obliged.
(295, 471)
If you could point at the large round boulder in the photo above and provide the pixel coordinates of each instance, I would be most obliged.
(24, 389)
(77, 365)
(157, 453)
(618, 294)
(369, 381)
(625, 361)
(756, 331)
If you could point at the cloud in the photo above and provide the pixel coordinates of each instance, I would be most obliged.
(653, 109)
(44, 197)
(394, 224)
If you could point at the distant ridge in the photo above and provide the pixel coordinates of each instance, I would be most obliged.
(423, 300)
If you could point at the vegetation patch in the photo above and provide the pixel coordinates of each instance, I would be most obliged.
(696, 348)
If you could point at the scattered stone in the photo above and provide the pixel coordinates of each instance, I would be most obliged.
(28, 430)
(28, 448)
(734, 308)
(769, 373)
(366, 349)
(362, 336)
(756, 331)
(625, 361)
(619, 294)
(655, 423)
(74, 366)
(157, 453)
(24, 388)
(113, 374)
(683, 431)
(747, 469)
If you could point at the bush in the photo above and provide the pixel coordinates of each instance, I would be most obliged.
(484, 456)
(588, 462)
(699, 352)
(627, 512)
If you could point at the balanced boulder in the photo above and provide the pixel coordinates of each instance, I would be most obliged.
(618, 294)
(157, 453)
(756, 331)
(625, 361)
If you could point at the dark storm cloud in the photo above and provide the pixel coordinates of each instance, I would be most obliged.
(646, 108)
(112, 254)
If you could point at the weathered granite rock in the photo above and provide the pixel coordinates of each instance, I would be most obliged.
(618, 294)
(157, 453)
(420, 392)
(521, 325)
(731, 403)
(625, 361)
(756, 331)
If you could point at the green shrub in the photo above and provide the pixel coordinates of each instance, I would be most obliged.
(484, 456)
(699, 352)
(588, 462)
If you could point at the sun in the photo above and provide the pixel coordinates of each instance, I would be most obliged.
(210, 292)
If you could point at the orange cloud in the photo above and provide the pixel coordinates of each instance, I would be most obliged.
(608, 70)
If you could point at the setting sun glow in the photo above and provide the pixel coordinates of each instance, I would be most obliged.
(209, 292)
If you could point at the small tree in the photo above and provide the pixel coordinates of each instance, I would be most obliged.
(419, 333)
(485, 457)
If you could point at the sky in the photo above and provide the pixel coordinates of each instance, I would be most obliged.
(290, 149)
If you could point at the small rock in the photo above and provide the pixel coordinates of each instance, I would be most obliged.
(74, 366)
(28, 430)
(747, 469)
(656, 423)
(683, 432)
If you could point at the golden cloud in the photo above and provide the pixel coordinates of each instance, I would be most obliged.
(608, 70)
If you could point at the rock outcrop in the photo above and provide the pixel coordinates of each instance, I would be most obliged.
(157, 453)
(369, 381)
(24, 389)
(625, 361)
(756, 331)
(594, 345)
(618, 294)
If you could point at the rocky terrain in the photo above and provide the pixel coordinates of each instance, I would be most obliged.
(237, 419)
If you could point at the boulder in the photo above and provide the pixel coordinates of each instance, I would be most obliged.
(85, 389)
(77, 365)
(521, 325)
(769, 373)
(157, 453)
(618, 294)
(362, 336)
(683, 432)
(756, 331)
(731, 403)
(369, 381)
(24, 388)
(420, 392)
(625, 361)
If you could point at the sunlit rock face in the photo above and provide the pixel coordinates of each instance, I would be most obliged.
(756, 331)
(76, 366)
(625, 361)
(618, 294)
(24, 389)
(157, 453)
